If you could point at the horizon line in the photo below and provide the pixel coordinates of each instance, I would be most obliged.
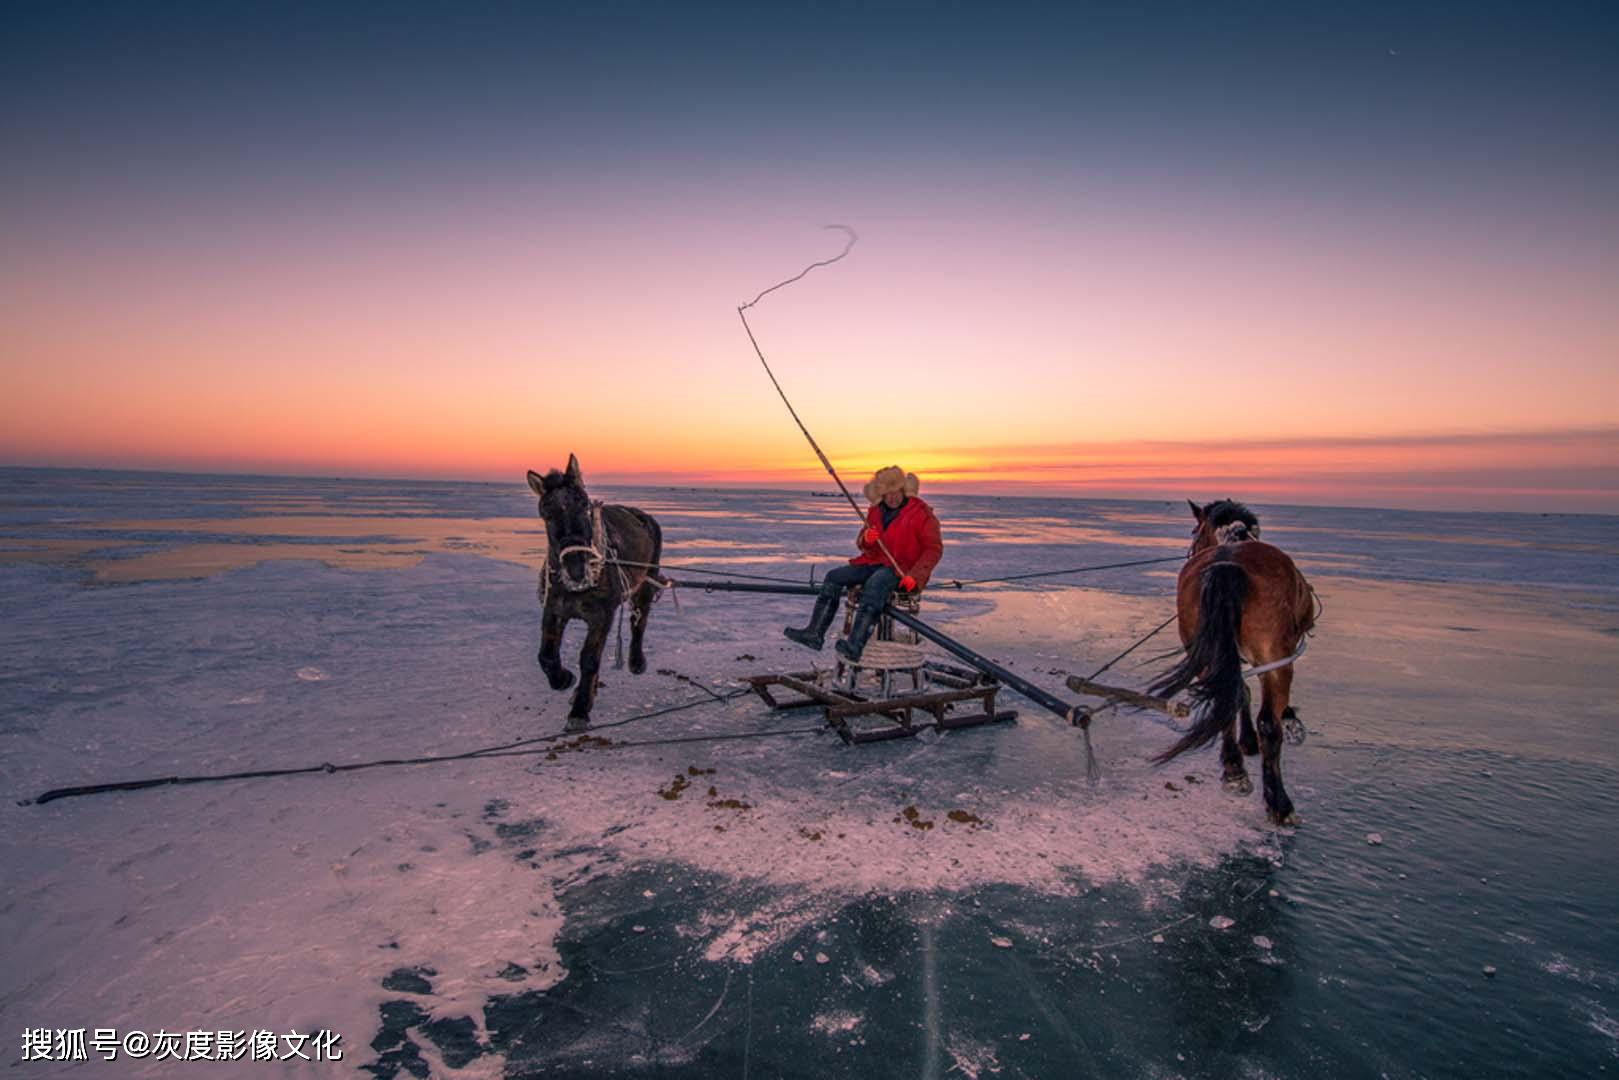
(788, 488)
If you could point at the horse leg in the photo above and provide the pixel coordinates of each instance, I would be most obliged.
(590, 662)
(1248, 740)
(640, 611)
(551, 624)
(1233, 773)
(1277, 685)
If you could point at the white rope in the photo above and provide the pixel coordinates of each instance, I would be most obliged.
(1274, 664)
(599, 554)
(596, 554)
(1292, 728)
(623, 596)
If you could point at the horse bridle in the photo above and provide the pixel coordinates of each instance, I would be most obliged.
(1233, 532)
(596, 555)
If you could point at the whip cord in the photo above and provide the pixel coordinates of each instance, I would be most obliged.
(742, 313)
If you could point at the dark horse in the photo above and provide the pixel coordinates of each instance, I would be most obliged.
(1238, 599)
(596, 557)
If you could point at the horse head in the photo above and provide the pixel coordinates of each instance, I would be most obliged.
(1224, 521)
(573, 529)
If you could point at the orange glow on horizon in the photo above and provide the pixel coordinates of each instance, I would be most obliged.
(1233, 354)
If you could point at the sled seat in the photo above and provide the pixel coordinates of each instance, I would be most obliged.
(894, 650)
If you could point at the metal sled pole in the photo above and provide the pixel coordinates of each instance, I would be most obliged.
(748, 586)
(1078, 715)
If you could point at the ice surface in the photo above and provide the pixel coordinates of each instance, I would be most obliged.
(289, 903)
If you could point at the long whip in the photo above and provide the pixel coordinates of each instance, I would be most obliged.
(1076, 714)
(742, 313)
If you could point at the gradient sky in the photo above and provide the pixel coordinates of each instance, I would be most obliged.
(1338, 254)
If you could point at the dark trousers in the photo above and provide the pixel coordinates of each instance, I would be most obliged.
(876, 583)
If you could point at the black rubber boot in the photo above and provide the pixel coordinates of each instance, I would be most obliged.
(813, 636)
(852, 646)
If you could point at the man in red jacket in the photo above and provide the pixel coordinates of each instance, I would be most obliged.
(907, 528)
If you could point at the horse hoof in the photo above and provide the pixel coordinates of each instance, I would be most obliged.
(577, 723)
(1239, 785)
(637, 665)
(1292, 727)
(1287, 820)
(561, 680)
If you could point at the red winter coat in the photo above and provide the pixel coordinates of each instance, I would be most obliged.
(912, 537)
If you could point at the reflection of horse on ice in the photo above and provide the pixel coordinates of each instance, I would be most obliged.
(1238, 599)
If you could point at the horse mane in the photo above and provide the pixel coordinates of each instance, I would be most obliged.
(555, 479)
(1223, 512)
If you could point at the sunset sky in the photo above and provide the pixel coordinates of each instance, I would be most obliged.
(1348, 254)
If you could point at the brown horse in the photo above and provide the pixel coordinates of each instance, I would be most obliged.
(1238, 599)
(597, 557)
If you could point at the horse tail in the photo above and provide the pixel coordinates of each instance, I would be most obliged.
(1213, 664)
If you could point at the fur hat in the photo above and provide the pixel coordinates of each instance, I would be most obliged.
(893, 478)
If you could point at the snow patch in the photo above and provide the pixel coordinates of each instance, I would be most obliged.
(971, 1059)
(837, 1022)
(749, 935)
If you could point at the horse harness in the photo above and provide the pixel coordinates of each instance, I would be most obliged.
(597, 555)
(1231, 533)
(1238, 532)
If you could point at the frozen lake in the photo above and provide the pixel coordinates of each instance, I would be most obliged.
(553, 911)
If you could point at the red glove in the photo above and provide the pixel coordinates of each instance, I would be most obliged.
(870, 537)
(908, 583)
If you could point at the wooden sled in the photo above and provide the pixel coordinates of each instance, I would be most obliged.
(858, 718)
(860, 701)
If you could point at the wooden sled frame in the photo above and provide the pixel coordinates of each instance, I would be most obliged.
(896, 716)
(1118, 695)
